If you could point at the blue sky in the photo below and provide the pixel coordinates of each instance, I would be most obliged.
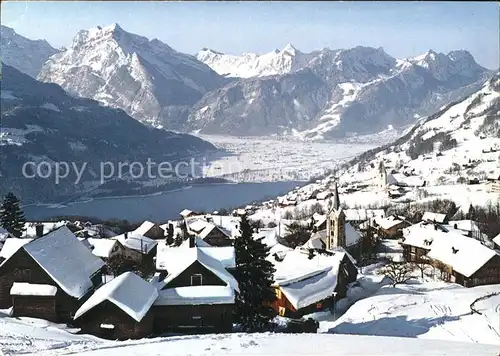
(403, 29)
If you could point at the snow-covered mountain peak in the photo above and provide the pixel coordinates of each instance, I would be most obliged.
(22, 53)
(290, 49)
(443, 66)
(147, 78)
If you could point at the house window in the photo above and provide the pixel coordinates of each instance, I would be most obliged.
(278, 293)
(413, 249)
(23, 275)
(196, 280)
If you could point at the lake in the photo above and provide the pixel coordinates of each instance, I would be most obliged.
(167, 205)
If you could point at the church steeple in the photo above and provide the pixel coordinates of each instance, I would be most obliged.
(335, 222)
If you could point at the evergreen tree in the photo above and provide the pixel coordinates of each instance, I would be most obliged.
(254, 274)
(11, 216)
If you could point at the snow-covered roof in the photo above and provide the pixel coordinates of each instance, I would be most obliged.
(177, 260)
(320, 221)
(225, 255)
(129, 292)
(30, 227)
(428, 216)
(11, 245)
(102, 247)
(388, 222)
(312, 289)
(296, 264)
(136, 242)
(196, 295)
(466, 225)
(144, 228)
(269, 236)
(196, 224)
(496, 240)
(186, 212)
(43, 290)
(464, 254)
(66, 260)
(197, 241)
(209, 228)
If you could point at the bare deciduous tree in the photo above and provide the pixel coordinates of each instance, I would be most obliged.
(398, 272)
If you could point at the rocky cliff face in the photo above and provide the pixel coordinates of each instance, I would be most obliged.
(148, 79)
(24, 54)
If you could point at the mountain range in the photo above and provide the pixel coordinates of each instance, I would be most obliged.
(324, 94)
(43, 123)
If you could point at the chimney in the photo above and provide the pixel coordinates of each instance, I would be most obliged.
(126, 235)
(191, 241)
(39, 230)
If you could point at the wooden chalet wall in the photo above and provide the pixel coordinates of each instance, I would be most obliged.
(193, 318)
(125, 327)
(184, 279)
(22, 268)
(488, 274)
(414, 254)
(217, 238)
(348, 273)
(155, 233)
(43, 307)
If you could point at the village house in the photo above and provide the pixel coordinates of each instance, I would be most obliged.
(151, 230)
(216, 236)
(461, 259)
(308, 281)
(196, 292)
(137, 248)
(106, 248)
(120, 309)
(186, 213)
(435, 217)
(57, 259)
(391, 227)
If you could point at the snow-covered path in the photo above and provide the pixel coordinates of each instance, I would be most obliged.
(282, 344)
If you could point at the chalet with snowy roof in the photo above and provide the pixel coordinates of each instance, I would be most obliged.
(215, 235)
(461, 259)
(57, 259)
(186, 213)
(435, 217)
(138, 248)
(196, 292)
(391, 226)
(307, 281)
(120, 309)
(106, 248)
(151, 230)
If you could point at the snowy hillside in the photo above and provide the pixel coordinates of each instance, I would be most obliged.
(36, 337)
(331, 93)
(24, 54)
(148, 79)
(460, 142)
(247, 65)
(42, 123)
(432, 310)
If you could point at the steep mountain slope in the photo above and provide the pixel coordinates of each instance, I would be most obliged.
(41, 122)
(459, 142)
(149, 80)
(26, 55)
(287, 60)
(339, 93)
